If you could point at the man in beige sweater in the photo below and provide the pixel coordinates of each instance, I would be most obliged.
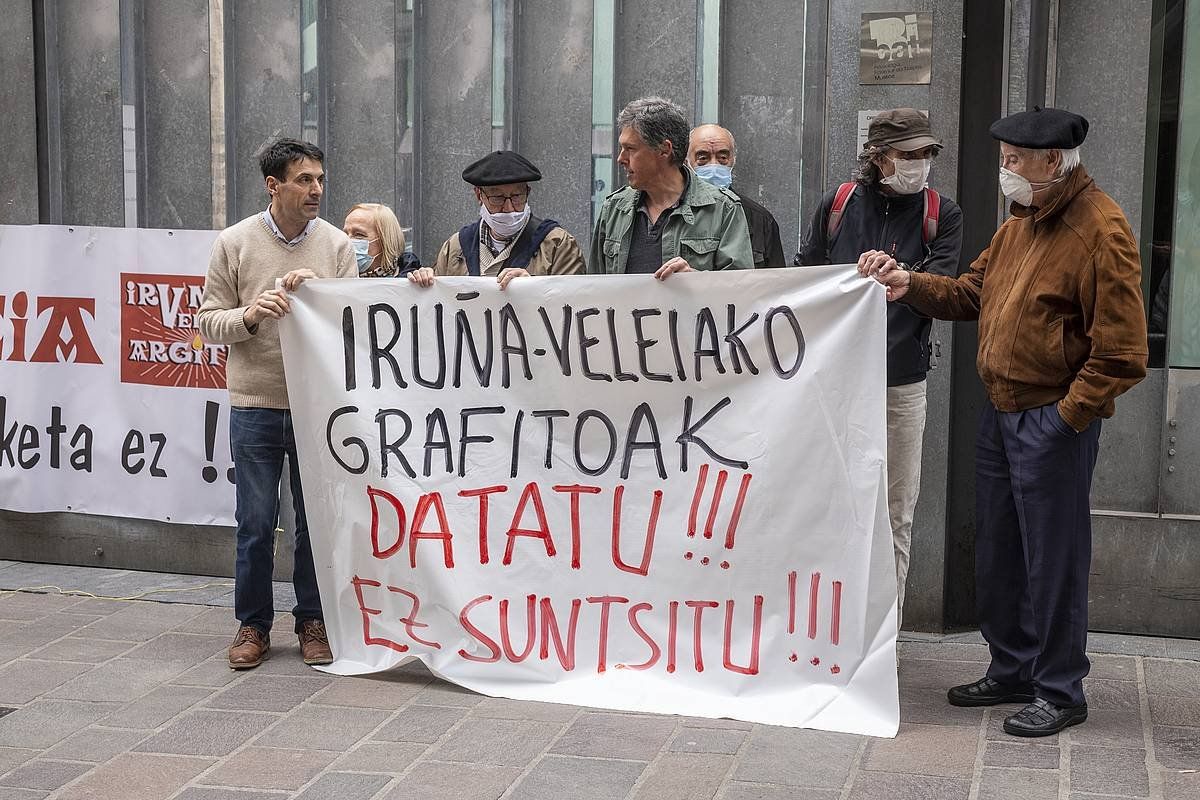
(241, 308)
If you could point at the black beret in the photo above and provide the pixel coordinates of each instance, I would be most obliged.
(500, 167)
(1042, 129)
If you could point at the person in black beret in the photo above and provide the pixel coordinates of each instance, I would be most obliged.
(1062, 333)
(507, 241)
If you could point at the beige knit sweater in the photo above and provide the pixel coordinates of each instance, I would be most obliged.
(246, 260)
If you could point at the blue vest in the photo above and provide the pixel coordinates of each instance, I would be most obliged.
(523, 249)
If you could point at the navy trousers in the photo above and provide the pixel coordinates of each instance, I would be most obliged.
(1033, 547)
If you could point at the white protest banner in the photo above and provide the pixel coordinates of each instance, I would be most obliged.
(608, 491)
(110, 402)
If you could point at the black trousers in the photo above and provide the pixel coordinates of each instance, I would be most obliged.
(1033, 547)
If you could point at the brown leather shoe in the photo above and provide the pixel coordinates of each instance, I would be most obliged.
(250, 648)
(314, 643)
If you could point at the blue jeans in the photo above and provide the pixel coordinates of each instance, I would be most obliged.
(258, 439)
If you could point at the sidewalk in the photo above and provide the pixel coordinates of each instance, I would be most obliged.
(133, 699)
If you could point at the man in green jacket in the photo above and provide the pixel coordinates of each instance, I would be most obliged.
(666, 220)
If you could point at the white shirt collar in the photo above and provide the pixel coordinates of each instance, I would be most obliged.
(279, 234)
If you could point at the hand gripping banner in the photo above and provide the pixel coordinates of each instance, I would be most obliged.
(607, 491)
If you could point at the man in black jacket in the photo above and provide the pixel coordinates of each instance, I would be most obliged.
(889, 208)
(712, 153)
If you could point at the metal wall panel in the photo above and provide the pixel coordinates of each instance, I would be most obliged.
(761, 102)
(925, 589)
(176, 134)
(262, 79)
(944, 93)
(454, 50)
(1143, 577)
(18, 123)
(553, 97)
(1131, 452)
(89, 62)
(812, 134)
(656, 52)
(1103, 54)
(1018, 54)
(359, 54)
(1181, 448)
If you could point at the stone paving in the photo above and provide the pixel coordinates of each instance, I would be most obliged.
(133, 699)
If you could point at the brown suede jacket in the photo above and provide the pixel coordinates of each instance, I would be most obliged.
(1058, 297)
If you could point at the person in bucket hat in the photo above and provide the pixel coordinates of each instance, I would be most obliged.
(888, 206)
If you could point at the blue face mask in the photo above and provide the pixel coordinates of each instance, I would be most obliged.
(718, 175)
(361, 246)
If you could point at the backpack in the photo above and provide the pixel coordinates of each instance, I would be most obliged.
(929, 225)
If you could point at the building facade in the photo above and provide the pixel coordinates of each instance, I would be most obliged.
(149, 114)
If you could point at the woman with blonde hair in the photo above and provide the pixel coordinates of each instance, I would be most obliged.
(378, 241)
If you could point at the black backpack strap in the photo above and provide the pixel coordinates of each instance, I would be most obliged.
(536, 231)
(468, 242)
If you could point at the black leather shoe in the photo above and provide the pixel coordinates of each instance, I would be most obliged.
(1043, 718)
(987, 692)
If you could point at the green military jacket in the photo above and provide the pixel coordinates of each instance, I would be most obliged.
(708, 230)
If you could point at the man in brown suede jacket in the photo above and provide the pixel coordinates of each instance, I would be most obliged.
(1062, 333)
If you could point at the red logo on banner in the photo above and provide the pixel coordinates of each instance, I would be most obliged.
(160, 342)
(59, 336)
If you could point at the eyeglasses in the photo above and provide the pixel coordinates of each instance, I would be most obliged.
(498, 200)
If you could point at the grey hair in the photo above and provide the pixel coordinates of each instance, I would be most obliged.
(657, 120)
(866, 171)
(1070, 159)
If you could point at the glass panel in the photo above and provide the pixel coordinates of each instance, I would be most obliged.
(603, 110)
(1158, 189)
(130, 24)
(602, 170)
(708, 77)
(501, 63)
(405, 118)
(310, 95)
(1183, 346)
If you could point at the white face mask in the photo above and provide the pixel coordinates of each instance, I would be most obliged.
(505, 224)
(1018, 188)
(910, 176)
